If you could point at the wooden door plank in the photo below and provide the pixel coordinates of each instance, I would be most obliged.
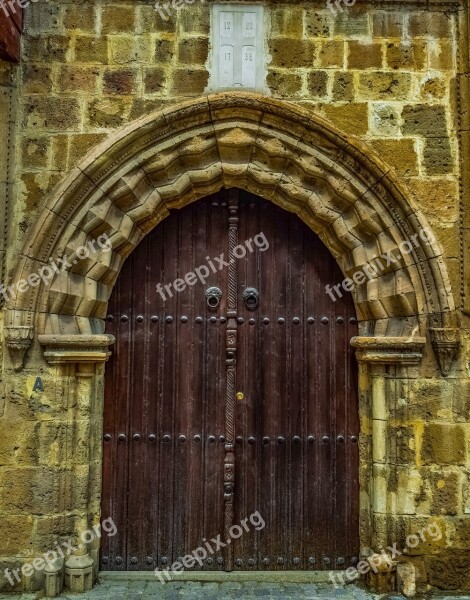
(213, 375)
(10, 37)
(16, 15)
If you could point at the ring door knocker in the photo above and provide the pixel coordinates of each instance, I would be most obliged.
(213, 296)
(251, 298)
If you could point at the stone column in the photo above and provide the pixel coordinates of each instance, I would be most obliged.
(84, 354)
(380, 466)
(378, 357)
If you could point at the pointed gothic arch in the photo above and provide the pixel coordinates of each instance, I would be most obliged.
(126, 186)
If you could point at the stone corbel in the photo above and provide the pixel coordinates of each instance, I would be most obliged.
(18, 339)
(389, 350)
(446, 342)
(70, 349)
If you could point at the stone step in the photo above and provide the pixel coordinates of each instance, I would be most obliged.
(222, 576)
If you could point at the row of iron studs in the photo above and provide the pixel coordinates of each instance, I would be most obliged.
(240, 320)
(251, 562)
(340, 439)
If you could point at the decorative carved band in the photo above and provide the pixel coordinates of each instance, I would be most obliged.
(231, 358)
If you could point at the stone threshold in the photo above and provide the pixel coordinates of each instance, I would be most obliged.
(223, 576)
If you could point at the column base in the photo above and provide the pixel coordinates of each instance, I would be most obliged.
(54, 578)
(406, 579)
(79, 573)
(383, 581)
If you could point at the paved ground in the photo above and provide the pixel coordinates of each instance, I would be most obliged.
(144, 590)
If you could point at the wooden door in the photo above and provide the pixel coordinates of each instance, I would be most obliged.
(297, 425)
(233, 396)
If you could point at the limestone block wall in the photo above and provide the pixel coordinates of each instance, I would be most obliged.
(384, 75)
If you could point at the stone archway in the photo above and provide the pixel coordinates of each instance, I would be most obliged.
(273, 149)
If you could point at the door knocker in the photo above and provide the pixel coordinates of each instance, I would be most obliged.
(251, 298)
(213, 296)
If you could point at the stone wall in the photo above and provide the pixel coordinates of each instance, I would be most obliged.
(383, 76)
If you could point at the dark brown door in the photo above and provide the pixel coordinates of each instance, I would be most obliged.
(220, 408)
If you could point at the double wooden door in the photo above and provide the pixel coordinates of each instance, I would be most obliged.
(231, 392)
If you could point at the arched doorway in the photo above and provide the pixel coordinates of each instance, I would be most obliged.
(128, 184)
(231, 403)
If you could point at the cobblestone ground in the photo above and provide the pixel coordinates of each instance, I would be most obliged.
(143, 590)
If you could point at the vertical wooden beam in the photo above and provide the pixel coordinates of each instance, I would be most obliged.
(8, 141)
(463, 90)
(231, 351)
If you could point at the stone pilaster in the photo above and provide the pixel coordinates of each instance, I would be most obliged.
(84, 355)
(378, 357)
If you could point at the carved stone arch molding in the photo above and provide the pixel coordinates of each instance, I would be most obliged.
(285, 154)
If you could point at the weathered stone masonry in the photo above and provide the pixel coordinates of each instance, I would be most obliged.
(362, 137)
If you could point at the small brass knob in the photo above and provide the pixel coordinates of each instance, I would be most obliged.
(240, 395)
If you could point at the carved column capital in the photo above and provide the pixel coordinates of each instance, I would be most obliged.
(72, 349)
(389, 350)
(446, 342)
(18, 339)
